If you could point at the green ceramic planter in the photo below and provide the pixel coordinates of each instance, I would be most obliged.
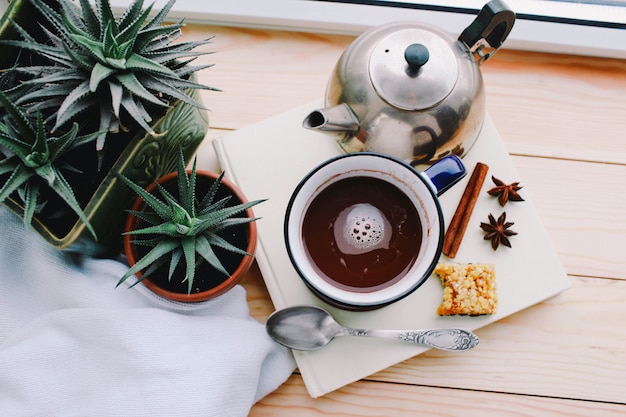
(144, 159)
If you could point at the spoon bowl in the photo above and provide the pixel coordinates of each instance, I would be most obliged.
(311, 328)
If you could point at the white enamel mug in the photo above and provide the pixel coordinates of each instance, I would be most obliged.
(421, 191)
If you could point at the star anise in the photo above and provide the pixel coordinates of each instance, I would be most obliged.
(498, 231)
(505, 192)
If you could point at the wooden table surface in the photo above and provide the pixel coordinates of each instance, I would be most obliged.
(563, 119)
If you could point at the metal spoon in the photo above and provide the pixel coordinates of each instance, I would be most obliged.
(310, 328)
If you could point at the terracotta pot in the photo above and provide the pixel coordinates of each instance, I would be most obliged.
(216, 283)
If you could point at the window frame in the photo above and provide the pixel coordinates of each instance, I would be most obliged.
(545, 26)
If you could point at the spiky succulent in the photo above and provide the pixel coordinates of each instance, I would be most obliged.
(11, 84)
(117, 68)
(30, 160)
(185, 226)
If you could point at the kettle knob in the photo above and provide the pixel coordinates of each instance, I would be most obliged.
(416, 55)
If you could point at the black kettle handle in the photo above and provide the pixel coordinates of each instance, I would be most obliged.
(489, 30)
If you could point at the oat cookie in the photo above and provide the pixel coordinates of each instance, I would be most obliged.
(469, 289)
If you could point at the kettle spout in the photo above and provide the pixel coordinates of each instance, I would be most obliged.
(339, 119)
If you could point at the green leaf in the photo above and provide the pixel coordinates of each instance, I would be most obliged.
(162, 248)
(77, 141)
(8, 165)
(55, 77)
(92, 46)
(22, 33)
(182, 48)
(174, 261)
(158, 19)
(153, 267)
(214, 218)
(19, 176)
(41, 141)
(19, 148)
(91, 20)
(167, 196)
(147, 242)
(130, 14)
(31, 192)
(185, 72)
(73, 21)
(80, 106)
(130, 31)
(216, 240)
(186, 185)
(69, 107)
(134, 109)
(18, 117)
(58, 146)
(204, 249)
(52, 16)
(162, 209)
(63, 189)
(234, 222)
(210, 195)
(167, 86)
(148, 35)
(50, 52)
(141, 63)
(165, 228)
(214, 207)
(181, 220)
(189, 249)
(132, 84)
(103, 8)
(149, 217)
(109, 44)
(77, 58)
(100, 73)
(48, 173)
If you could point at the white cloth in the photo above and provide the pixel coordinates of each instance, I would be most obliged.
(73, 345)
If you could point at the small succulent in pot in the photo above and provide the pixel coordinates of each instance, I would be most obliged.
(30, 161)
(181, 225)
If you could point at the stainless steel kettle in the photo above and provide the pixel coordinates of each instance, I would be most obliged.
(412, 91)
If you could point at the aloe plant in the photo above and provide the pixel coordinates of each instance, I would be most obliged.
(119, 69)
(185, 226)
(32, 160)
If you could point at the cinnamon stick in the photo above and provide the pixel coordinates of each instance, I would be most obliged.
(458, 224)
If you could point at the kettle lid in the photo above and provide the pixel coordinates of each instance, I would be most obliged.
(413, 68)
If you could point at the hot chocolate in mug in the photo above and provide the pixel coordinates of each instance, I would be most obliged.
(365, 229)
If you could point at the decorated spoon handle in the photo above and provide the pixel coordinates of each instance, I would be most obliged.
(445, 339)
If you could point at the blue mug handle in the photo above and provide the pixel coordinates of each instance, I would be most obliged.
(446, 172)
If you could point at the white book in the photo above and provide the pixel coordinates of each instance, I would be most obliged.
(268, 159)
